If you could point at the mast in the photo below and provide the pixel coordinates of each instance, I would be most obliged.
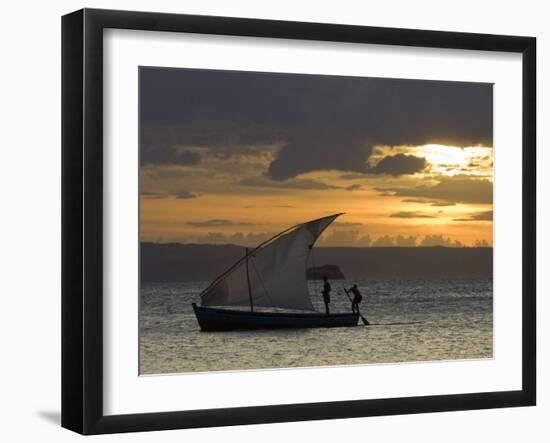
(262, 245)
(279, 264)
(248, 282)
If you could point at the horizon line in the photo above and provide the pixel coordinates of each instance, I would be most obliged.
(323, 247)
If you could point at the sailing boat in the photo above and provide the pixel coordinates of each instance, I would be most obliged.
(272, 275)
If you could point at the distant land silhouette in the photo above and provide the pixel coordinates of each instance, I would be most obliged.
(175, 262)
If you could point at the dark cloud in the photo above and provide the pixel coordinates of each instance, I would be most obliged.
(428, 202)
(478, 216)
(185, 157)
(399, 164)
(348, 224)
(218, 223)
(320, 122)
(410, 214)
(442, 204)
(172, 143)
(155, 155)
(300, 156)
(354, 187)
(152, 195)
(184, 195)
(457, 189)
(210, 223)
(415, 200)
(352, 176)
(264, 182)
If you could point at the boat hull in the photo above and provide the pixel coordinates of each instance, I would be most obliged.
(216, 319)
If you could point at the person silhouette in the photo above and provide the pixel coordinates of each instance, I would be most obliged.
(357, 298)
(326, 294)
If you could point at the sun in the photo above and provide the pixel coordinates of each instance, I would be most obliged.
(443, 156)
(444, 160)
(453, 160)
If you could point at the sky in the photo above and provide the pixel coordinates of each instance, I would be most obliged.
(232, 157)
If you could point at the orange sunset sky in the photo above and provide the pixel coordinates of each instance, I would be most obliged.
(234, 157)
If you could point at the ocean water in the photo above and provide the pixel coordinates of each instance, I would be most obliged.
(412, 320)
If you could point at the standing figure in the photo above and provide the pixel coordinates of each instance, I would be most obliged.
(326, 294)
(357, 298)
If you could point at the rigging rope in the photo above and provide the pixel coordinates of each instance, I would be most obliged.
(261, 280)
(265, 244)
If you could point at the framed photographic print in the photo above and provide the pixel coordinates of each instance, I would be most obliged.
(269, 221)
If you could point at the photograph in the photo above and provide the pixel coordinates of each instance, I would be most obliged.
(294, 220)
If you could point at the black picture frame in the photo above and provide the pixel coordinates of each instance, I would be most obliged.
(82, 219)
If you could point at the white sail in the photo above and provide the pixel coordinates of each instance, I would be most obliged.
(276, 275)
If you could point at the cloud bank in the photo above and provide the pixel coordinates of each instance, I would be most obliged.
(318, 122)
(410, 214)
(478, 216)
(449, 189)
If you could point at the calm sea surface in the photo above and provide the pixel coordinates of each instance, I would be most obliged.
(413, 320)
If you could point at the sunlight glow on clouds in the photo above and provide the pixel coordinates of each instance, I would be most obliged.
(445, 160)
(410, 163)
